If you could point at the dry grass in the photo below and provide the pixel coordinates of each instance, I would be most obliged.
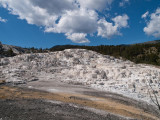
(2, 81)
(90, 101)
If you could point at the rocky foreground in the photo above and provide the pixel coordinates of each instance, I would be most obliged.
(21, 103)
(79, 66)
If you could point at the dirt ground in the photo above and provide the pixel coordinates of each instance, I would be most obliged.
(19, 103)
(33, 109)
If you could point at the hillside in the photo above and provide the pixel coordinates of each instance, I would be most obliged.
(79, 66)
(9, 50)
(78, 76)
(147, 52)
(151, 42)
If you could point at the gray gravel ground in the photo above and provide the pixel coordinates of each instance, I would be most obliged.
(70, 88)
(127, 101)
(31, 109)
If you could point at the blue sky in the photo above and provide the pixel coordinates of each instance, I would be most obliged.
(39, 23)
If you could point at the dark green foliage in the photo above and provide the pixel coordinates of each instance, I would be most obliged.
(9, 53)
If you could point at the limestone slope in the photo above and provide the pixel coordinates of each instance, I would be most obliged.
(79, 66)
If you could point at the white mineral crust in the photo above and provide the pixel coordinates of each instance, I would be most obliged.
(79, 66)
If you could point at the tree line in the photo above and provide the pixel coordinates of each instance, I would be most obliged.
(138, 53)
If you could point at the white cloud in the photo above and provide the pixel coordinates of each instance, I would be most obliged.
(153, 25)
(27, 11)
(107, 29)
(121, 21)
(75, 18)
(77, 21)
(145, 15)
(95, 4)
(76, 25)
(77, 37)
(55, 6)
(3, 20)
(123, 3)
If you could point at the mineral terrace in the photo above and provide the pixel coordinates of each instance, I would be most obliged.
(79, 66)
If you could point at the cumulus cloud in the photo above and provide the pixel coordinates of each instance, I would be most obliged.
(77, 37)
(77, 21)
(27, 11)
(153, 24)
(75, 18)
(55, 6)
(3, 20)
(95, 4)
(121, 21)
(107, 29)
(76, 25)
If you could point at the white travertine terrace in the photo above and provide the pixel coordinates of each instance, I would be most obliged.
(79, 66)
